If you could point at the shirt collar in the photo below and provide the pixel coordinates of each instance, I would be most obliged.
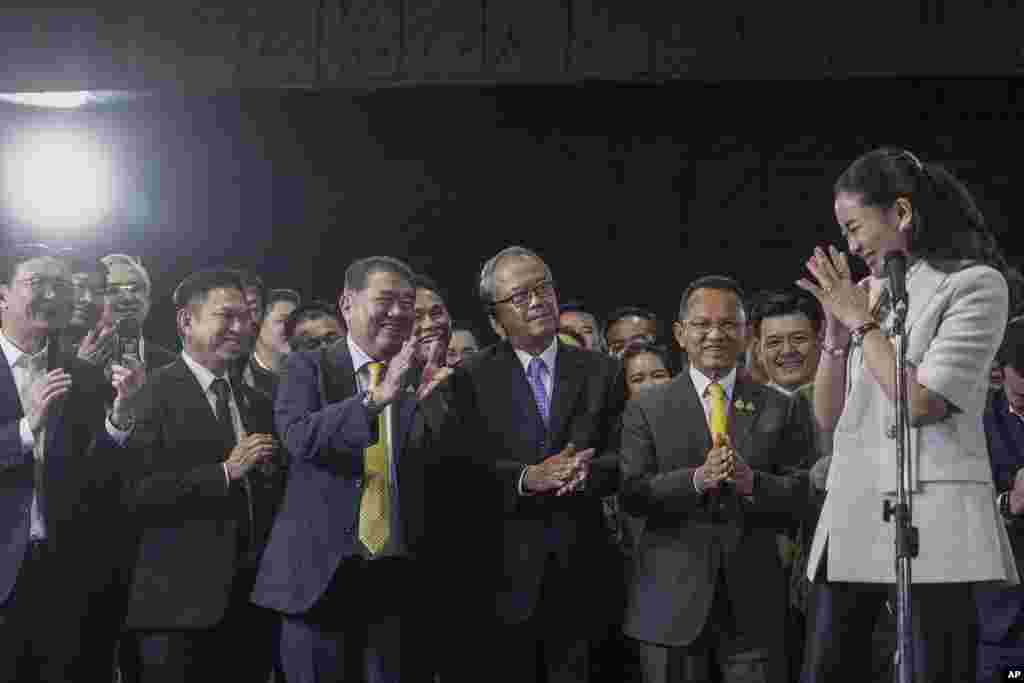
(701, 382)
(360, 358)
(548, 356)
(14, 354)
(203, 374)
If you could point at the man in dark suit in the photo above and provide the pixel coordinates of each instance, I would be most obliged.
(535, 417)
(54, 457)
(200, 490)
(1001, 609)
(343, 565)
(708, 591)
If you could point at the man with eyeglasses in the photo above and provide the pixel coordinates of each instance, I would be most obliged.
(59, 419)
(312, 326)
(129, 295)
(709, 462)
(533, 419)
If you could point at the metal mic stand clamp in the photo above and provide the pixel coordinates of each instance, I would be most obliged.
(907, 540)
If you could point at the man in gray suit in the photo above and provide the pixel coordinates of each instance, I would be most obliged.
(708, 590)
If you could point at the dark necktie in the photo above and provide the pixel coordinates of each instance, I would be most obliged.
(240, 494)
(222, 391)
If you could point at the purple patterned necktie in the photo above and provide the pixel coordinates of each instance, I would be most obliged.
(533, 373)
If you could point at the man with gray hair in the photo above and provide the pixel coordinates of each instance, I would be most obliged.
(129, 295)
(535, 417)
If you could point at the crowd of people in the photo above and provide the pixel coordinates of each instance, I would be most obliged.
(311, 491)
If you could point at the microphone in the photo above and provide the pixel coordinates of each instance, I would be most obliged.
(129, 334)
(896, 270)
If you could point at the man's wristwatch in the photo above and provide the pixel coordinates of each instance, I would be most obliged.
(1004, 504)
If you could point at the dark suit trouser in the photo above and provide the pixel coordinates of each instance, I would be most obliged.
(39, 633)
(241, 647)
(719, 653)
(844, 621)
(994, 658)
(548, 647)
(364, 628)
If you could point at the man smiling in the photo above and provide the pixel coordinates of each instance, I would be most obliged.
(789, 349)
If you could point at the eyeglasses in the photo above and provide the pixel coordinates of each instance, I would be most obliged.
(131, 289)
(312, 343)
(39, 284)
(703, 327)
(543, 290)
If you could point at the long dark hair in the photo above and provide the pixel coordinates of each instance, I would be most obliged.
(947, 229)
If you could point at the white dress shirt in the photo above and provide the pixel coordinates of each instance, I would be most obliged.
(205, 377)
(28, 369)
(701, 383)
(547, 378)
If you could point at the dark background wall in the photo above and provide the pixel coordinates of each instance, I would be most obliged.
(628, 190)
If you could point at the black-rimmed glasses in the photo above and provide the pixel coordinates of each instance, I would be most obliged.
(543, 290)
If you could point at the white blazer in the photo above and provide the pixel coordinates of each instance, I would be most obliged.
(955, 323)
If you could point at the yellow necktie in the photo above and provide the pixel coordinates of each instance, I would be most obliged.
(719, 419)
(375, 506)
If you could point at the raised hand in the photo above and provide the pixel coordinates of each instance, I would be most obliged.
(393, 381)
(552, 473)
(45, 392)
(98, 346)
(835, 290)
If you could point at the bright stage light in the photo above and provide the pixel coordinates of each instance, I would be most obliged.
(58, 179)
(55, 100)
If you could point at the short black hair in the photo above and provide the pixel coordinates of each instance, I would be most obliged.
(719, 282)
(311, 310)
(629, 312)
(421, 281)
(1011, 351)
(637, 348)
(251, 280)
(357, 275)
(194, 289)
(90, 266)
(21, 253)
(278, 295)
(775, 303)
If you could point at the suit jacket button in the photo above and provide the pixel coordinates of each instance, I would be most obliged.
(359, 483)
(891, 431)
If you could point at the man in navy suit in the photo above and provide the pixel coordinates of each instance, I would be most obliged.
(344, 561)
(1001, 610)
(532, 418)
(56, 551)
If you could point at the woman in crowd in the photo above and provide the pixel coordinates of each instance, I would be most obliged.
(889, 201)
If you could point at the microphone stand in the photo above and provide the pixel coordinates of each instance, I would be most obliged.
(906, 534)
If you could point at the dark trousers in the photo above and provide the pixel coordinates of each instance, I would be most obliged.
(40, 624)
(364, 628)
(994, 658)
(843, 627)
(241, 647)
(720, 653)
(550, 646)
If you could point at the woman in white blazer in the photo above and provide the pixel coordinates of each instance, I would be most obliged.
(888, 200)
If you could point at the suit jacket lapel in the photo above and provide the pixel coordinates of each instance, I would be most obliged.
(686, 414)
(922, 287)
(338, 375)
(741, 421)
(193, 399)
(567, 382)
(10, 403)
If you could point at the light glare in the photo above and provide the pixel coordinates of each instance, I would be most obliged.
(53, 100)
(58, 179)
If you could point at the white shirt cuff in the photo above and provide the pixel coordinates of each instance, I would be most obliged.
(227, 477)
(28, 439)
(693, 479)
(120, 436)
